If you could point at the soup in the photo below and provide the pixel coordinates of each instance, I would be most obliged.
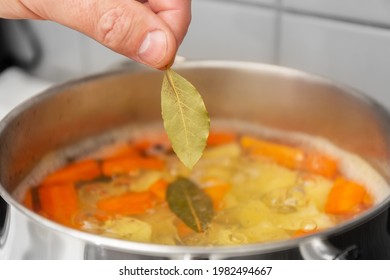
(252, 185)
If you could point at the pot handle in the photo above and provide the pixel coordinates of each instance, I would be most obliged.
(319, 249)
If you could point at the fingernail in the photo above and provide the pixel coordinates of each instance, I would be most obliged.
(154, 47)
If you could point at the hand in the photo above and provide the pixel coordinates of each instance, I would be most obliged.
(148, 31)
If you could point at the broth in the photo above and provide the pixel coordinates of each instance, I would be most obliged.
(263, 185)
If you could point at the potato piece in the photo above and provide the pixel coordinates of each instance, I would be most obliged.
(145, 180)
(297, 220)
(259, 177)
(162, 223)
(317, 189)
(252, 213)
(223, 235)
(128, 228)
(232, 150)
(263, 232)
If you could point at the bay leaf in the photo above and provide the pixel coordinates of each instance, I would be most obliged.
(190, 203)
(185, 117)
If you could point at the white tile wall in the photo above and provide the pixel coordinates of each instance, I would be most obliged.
(353, 54)
(61, 51)
(363, 10)
(97, 58)
(68, 54)
(230, 31)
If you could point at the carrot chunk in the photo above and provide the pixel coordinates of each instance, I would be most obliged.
(219, 138)
(182, 229)
(128, 165)
(320, 164)
(82, 170)
(144, 145)
(284, 155)
(59, 202)
(345, 197)
(130, 203)
(28, 200)
(158, 189)
(217, 193)
(292, 157)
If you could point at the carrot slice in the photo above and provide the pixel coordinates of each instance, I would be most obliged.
(130, 203)
(320, 164)
(345, 197)
(128, 165)
(217, 193)
(182, 229)
(219, 138)
(292, 157)
(28, 200)
(145, 144)
(59, 202)
(284, 155)
(368, 200)
(158, 189)
(82, 170)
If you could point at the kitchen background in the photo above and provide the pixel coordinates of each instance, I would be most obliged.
(345, 40)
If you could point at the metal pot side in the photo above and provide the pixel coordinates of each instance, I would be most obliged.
(268, 95)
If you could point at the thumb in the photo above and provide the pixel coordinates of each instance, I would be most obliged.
(125, 26)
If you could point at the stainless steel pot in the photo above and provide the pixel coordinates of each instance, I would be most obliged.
(268, 95)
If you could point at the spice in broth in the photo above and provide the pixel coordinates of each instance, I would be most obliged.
(251, 185)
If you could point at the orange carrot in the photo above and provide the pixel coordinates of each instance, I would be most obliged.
(27, 200)
(292, 157)
(128, 165)
(368, 200)
(284, 155)
(182, 229)
(158, 189)
(145, 144)
(59, 202)
(219, 138)
(320, 164)
(101, 216)
(82, 170)
(217, 193)
(345, 197)
(130, 203)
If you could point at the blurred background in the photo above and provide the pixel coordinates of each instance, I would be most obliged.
(345, 40)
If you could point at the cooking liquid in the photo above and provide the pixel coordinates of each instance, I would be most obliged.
(259, 199)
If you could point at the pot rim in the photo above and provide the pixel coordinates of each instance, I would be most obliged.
(178, 250)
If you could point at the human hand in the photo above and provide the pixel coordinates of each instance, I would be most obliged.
(148, 31)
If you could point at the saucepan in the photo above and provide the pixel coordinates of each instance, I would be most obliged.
(267, 95)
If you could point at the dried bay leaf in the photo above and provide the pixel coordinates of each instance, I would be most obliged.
(185, 117)
(190, 203)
